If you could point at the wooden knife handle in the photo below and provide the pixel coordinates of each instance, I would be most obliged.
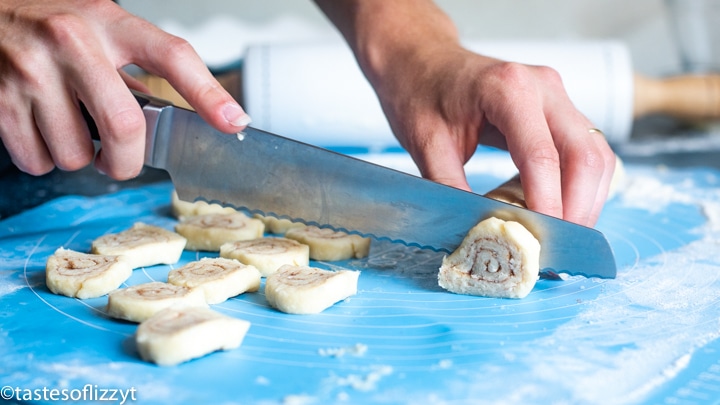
(686, 97)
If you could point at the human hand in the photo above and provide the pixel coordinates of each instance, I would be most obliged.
(445, 101)
(441, 100)
(57, 54)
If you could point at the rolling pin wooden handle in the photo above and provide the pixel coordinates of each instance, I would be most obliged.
(687, 97)
(509, 192)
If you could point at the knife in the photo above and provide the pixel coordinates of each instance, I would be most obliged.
(272, 175)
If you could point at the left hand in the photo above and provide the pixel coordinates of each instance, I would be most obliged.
(442, 106)
(441, 100)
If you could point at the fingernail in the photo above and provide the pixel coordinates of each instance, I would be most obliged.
(235, 115)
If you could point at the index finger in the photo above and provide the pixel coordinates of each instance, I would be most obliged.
(174, 59)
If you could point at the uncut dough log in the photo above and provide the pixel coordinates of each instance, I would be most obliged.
(183, 209)
(210, 231)
(173, 336)
(309, 290)
(278, 226)
(511, 191)
(329, 245)
(496, 259)
(218, 278)
(83, 275)
(268, 254)
(142, 245)
(139, 302)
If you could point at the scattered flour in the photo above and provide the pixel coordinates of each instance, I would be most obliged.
(9, 286)
(357, 350)
(299, 400)
(366, 382)
(649, 193)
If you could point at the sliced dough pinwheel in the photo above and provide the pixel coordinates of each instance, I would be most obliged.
(278, 226)
(139, 302)
(327, 244)
(210, 231)
(182, 209)
(496, 259)
(142, 245)
(268, 254)
(218, 278)
(82, 275)
(309, 290)
(176, 335)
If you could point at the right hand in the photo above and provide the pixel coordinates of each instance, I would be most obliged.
(56, 54)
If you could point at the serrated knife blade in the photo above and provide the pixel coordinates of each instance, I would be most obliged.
(273, 175)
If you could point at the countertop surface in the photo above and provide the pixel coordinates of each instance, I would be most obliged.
(649, 336)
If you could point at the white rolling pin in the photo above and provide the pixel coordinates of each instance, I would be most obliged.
(317, 94)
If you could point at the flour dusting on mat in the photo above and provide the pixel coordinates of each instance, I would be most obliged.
(649, 193)
(358, 349)
(640, 333)
(362, 382)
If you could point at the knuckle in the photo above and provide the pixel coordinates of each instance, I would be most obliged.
(67, 30)
(74, 161)
(548, 75)
(35, 167)
(175, 50)
(592, 159)
(514, 79)
(125, 125)
(513, 76)
(126, 173)
(29, 163)
(542, 154)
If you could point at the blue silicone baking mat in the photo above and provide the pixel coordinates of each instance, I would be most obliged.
(648, 337)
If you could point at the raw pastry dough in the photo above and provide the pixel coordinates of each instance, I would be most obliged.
(83, 275)
(139, 302)
(142, 245)
(309, 290)
(268, 254)
(278, 226)
(210, 231)
(183, 209)
(218, 278)
(496, 259)
(327, 244)
(173, 335)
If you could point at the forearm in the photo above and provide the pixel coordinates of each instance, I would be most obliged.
(381, 32)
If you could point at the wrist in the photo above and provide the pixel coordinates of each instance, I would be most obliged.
(387, 35)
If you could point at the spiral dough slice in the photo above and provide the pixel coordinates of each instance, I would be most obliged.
(309, 290)
(329, 245)
(218, 278)
(142, 245)
(496, 259)
(278, 226)
(268, 254)
(82, 275)
(176, 335)
(183, 209)
(210, 231)
(140, 302)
